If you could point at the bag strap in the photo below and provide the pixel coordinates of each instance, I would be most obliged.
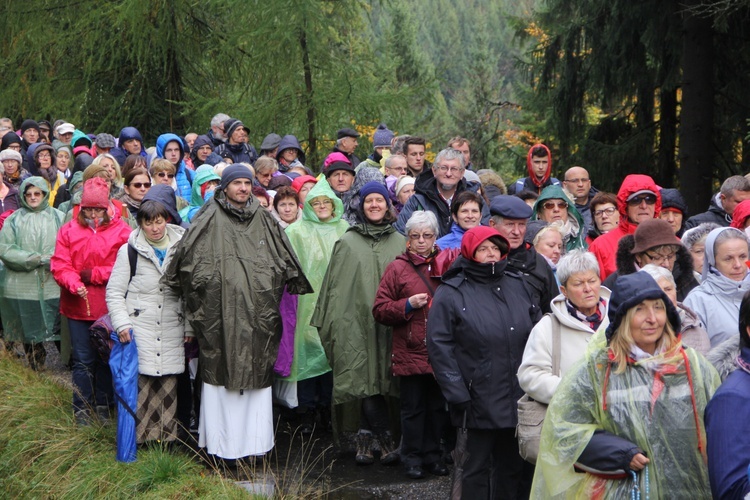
(555, 345)
(133, 261)
(424, 280)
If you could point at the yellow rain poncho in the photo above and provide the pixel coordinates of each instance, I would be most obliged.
(29, 295)
(656, 403)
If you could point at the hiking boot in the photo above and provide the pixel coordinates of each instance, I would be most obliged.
(82, 418)
(102, 411)
(307, 426)
(388, 451)
(364, 448)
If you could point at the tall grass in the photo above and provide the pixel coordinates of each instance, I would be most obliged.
(43, 454)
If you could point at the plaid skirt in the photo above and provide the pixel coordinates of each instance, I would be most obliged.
(157, 409)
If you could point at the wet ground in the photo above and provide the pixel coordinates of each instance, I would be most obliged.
(312, 467)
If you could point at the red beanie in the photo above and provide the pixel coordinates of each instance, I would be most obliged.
(95, 194)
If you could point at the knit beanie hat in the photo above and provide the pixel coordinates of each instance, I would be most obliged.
(27, 124)
(233, 124)
(653, 233)
(95, 194)
(403, 182)
(672, 198)
(373, 187)
(382, 137)
(11, 154)
(234, 172)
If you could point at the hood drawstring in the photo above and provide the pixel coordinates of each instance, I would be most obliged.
(695, 406)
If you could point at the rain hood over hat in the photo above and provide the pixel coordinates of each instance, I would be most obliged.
(290, 142)
(632, 289)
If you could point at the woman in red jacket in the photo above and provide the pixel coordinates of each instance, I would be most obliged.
(403, 301)
(85, 253)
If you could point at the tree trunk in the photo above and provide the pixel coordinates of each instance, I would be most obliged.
(312, 145)
(697, 115)
(666, 162)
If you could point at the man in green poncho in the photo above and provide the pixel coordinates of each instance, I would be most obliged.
(231, 268)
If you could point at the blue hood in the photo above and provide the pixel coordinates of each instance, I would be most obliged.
(165, 139)
(128, 133)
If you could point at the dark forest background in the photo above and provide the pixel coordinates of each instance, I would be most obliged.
(618, 87)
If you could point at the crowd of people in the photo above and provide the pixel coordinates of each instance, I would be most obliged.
(391, 299)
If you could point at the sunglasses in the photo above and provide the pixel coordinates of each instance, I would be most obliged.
(139, 185)
(164, 174)
(550, 205)
(650, 199)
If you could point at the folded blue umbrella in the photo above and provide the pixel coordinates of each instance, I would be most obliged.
(123, 361)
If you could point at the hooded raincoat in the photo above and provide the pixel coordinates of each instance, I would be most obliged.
(183, 176)
(575, 234)
(655, 406)
(531, 183)
(313, 242)
(605, 246)
(358, 348)
(29, 296)
(202, 176)
(126, 134)
(231, 269)
(717, 299)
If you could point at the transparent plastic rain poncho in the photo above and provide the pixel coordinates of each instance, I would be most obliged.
(29, 295)
(313, 243)
(665, 429)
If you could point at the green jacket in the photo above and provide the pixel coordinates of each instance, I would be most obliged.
(313, 241)
(202, 176)
(574, 226)
(358, 348)
(231, 268)
(29, 295)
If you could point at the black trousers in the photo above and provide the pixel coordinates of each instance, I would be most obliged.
(423, 419)
(494, 469)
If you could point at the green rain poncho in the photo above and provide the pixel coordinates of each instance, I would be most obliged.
(29, 296)
(576, 238)
(313, 243)
(665, 428)
(358, 348)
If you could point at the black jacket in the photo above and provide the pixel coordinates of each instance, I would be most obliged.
(480, 319)
(715, 213)
(240, 153)
(426, 197)
(682, 270)
(536, 273)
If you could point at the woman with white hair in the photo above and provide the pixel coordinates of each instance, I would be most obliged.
(577, 313)
(692, 331)
(725, 281)
(403, 301)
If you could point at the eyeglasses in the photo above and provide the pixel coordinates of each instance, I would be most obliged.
(608, 211)
(650, 199)
(31, 194)
(318, 204)
(453, 170)
(139, 185)
(660, 258)
(15, 147)
(164, 174)
(417, 237)
(44, 154)
(581, 180)
(550, 205)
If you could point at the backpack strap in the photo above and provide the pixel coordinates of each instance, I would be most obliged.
(133, 261)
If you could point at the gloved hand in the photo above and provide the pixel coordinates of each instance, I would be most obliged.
(86, 276)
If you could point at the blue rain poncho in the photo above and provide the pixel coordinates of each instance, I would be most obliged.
(29, 295)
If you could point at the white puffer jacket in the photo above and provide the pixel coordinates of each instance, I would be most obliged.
(535, 373)
(152, 310)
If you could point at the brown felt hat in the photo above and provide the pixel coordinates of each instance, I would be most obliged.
(653, 233)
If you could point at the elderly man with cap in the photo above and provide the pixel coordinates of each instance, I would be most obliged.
(435, 189)
(346, 143)
(103, 143)
(638, 200)
(237, 146)
(654, 242)
(510, 216)
(381, 142)
(65, 132)
(339, 173)
(231, 269)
